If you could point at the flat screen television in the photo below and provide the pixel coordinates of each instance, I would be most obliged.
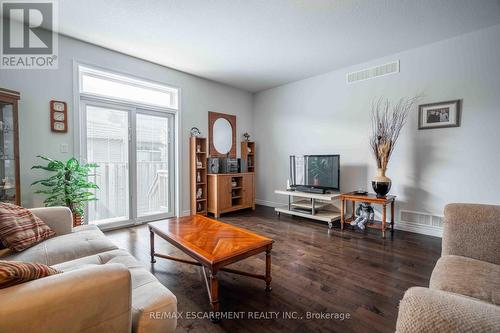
(315, 171)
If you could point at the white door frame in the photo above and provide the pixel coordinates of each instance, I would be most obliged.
(83, 155)
(80, 151)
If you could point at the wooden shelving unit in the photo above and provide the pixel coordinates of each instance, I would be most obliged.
(230, 192)
(248, 155)
(198, 172)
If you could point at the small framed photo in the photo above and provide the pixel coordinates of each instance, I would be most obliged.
(439, 115)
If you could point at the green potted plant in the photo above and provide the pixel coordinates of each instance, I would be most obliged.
(69, 186)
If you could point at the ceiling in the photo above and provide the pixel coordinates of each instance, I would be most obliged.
(258, 44)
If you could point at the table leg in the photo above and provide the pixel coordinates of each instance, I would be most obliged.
(313, 210)
(383, 220)
(342, 214)
(152, 245)
(214, 292)
(353, 216)
(268, 270)
(392, 216)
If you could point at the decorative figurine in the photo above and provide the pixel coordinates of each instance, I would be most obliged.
(246, 136)
(199, 193)
(195, 131)
(198, 148)
(199, 165)
(198, 177)
(365, 215)
(7, 183)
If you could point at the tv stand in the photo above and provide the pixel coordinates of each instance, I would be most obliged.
(317, 206)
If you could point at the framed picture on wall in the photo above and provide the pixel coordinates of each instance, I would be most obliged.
(439, 115)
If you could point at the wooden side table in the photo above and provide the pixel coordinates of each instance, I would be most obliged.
(373, 199)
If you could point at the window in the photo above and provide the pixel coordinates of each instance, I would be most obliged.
(127, 128)
(98, 83)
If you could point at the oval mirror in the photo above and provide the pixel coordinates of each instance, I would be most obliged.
(223, 135)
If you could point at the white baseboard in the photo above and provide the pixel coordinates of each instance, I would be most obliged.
(414, 227)
(405, 226)
(186, 213)
(419, 229)
(268, 203)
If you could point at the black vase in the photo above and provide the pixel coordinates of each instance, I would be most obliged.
(381, 184)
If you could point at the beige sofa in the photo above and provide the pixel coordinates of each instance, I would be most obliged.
(101, 289)
(464, 290)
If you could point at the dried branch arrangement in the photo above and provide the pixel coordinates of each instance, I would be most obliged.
(387, 121)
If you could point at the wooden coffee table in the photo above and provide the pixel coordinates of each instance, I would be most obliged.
(213, 245)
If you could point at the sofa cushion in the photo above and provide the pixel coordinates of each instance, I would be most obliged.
(16, 272)
(20, 229)
(424, 310)
(85, 227)
(78, 244)
(467, 276)
(5, 252)
(149, 296)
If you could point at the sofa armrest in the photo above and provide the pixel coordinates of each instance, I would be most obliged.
(472, 230)
(424, 310)
(58, 219)
(94, 298)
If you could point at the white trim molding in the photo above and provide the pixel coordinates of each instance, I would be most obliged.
(174, 114)
(399, 225)
(268, 203)
(419, 229)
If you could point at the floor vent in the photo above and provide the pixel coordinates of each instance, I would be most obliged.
(370, 73)
(421, 219)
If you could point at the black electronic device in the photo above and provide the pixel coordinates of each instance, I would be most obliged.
(228, 165)
(310, 189)
(213, 165)
(315, 173)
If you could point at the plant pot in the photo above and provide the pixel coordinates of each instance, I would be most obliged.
(381, 184)
(77, 220)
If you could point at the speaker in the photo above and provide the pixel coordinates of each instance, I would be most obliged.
(228, 165)
(213, 165)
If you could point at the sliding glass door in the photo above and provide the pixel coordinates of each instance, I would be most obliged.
(153, 158)
(134, 150)
(107, 139)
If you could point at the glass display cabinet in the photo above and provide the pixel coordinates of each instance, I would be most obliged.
(9, 147)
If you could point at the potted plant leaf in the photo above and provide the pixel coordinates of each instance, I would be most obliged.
(68, 185)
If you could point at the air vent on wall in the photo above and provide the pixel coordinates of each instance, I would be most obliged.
(373, 72)
(421, 219)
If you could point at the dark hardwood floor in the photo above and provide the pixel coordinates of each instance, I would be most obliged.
(314, 270)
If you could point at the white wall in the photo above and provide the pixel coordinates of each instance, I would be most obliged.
(38, 87)
(429, 168)
(321, 114)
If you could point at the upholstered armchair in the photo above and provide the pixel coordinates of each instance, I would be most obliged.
(464, 289)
